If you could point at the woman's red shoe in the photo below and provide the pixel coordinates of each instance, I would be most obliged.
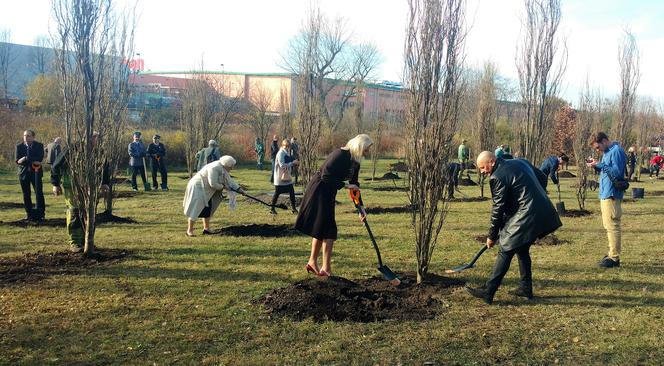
(310, 269)
(323, 273)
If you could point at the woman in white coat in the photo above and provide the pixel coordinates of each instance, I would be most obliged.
(203, 194)
(283, 182)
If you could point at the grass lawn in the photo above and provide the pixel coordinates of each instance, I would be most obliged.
(188, 301)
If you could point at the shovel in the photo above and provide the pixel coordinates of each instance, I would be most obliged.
(146, 185)
(468, 265)
(560, 205)
(281, 205)
(383, 269)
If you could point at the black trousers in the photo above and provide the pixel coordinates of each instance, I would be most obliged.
(503, 265)
(134, 171)
(28, 180)
(158, 166)
(284, 189)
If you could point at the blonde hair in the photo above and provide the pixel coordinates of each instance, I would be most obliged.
(285, 142)
(357, 145)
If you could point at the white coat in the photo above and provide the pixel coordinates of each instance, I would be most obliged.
(281, 164)
(206, 185)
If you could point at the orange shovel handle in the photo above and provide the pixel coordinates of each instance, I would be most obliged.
(355, 196)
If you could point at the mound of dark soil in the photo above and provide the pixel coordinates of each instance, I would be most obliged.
(566, 174)
(33, 267)
(550, 239)
(377, 210)
(469, 199)
(645, 171)
(368, 300)
(124, 194)
(576, 213)
(467, 182)
(399, 167)
(262, 230)
(102, 218)
(120, 180)
(385, 189)
(386, 176)
(10, 205)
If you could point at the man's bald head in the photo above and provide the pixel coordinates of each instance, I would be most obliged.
(486, 161)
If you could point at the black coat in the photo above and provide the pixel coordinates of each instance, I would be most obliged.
(35, 153)
(316, 216)
(156, 150)
(522, 211)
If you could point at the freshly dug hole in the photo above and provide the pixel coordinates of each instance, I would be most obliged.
(366, 300)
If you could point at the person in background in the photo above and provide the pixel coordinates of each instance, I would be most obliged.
(295, 155)
(499, 151)
(551, 165)
(203, 194)
(274, 149)
(610, 168)
(655, 165)
(28, 157)
(521, 213)
(259, 148)
(157, 152)
(283, 181)
(453, 170)
(463, 154)
(507, 153)
(631, 163)
(208, 155)
(137, 155)
(53, 149)
(316, 217)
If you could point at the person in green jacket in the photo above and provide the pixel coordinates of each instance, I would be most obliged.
(62, 183)
(259, 148)
(463, 156)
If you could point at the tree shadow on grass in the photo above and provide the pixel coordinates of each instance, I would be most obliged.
(258, 252)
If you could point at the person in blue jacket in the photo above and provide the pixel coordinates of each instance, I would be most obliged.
(137, 153)
(611, 168)
(551, 165)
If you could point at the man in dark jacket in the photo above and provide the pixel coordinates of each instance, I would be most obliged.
(53, 150)
(274, 149)
(453, 169)
(28, 157)
(157, 152)
(551, 165)
(137, 154)
(521, 214)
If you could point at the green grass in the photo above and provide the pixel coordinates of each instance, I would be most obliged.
(188, 300)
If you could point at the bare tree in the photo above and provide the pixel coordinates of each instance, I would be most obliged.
(309, 109)
(630, 76)
(260, 117)
(585, 124)
(285, 115)
(645, 126)
(205, 111)
(7, 58)
(92, 40)
(379, 129)
(41, 55)
(433, 58)
(538, 51)
(485, 122)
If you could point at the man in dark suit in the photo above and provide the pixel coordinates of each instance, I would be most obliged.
(157, 152)
(28, 157)
(521, 214)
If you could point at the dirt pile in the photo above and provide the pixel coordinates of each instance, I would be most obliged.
(33, 267)
(386, 176)
(124, 194)
(467, 182)
(10, 205)
(576, 213)
(102, 218)
(377, 210)
(367, 300)
(566, 174)
(469, 199)
(399, 167)
(390, 189)
(262, 230)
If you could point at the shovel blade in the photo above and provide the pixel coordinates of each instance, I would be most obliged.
(459, 268)
(389, 275)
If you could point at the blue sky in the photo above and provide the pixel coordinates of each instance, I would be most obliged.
(247, 35)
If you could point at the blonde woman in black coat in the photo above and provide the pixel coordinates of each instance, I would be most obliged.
(316, 217)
